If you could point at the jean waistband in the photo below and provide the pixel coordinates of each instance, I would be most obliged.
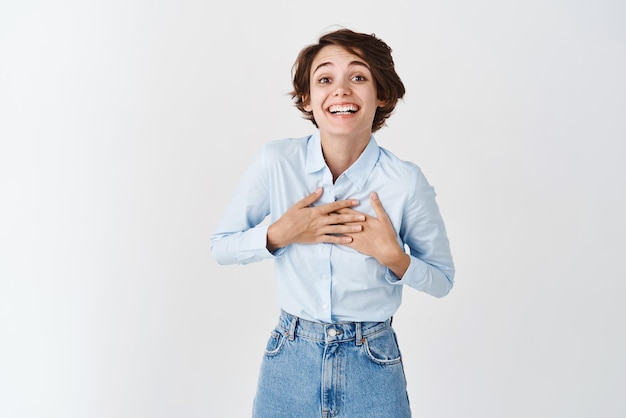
(340, 331)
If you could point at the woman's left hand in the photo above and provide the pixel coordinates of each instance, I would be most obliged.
(378, 239)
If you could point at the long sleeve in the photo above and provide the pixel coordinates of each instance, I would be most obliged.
(239, 237)
(423, 231)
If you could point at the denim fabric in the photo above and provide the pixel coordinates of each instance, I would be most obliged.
(339, 370)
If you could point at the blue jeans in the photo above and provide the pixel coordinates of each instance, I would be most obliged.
(340, 370)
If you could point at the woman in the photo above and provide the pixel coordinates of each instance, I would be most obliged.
(343, 212)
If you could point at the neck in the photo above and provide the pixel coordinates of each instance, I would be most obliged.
(341, 152)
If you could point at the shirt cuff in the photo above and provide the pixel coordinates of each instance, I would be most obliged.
(391, 277)
(408, 276)
(257, 245)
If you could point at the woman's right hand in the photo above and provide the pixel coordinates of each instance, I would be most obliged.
(304, 224)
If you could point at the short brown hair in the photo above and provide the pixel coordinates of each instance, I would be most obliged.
(375, 52)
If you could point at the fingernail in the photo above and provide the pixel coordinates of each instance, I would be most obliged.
(355, 202)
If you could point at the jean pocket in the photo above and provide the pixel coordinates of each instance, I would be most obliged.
(274, 343)
(382, 348)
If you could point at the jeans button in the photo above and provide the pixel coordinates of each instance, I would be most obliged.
(332, 332)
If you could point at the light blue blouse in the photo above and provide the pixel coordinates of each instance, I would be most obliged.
(330, 282)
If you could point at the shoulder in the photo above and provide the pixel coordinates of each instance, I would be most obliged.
(287, 148)
(403, 169)
(286, 145)
(408, 176)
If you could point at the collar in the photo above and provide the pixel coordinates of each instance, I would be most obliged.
(357, 173)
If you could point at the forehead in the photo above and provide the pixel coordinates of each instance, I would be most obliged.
(335, 55)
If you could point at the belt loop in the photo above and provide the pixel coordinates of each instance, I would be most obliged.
(359, 334)
(291, 334)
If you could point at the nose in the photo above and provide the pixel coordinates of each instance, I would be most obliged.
(342, 89)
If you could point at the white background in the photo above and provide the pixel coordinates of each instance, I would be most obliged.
(124, 126)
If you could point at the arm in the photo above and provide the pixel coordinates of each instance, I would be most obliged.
(428, 266)
(239, 238)
(424, 233)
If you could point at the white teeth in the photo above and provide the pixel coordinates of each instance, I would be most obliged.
(343, 108)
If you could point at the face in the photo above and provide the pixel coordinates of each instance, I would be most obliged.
(343, 95)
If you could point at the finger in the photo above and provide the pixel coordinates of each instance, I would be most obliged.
(310, 199)
(378, 206)
(336, 239)
(342, 229)
(337, 218)
(347, 211)
(338, 205)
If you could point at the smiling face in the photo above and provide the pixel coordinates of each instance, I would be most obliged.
(342, 94)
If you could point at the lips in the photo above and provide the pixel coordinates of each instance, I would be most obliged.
(343, 109)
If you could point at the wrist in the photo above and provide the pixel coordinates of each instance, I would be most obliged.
(398, 263)
(273, 241)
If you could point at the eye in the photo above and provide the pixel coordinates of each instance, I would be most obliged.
(358, 78)
(324, 80)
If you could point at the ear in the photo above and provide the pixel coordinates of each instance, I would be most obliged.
(382, 103)
(306, 104)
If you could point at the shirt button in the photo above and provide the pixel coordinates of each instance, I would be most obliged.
(332, 332)
(324, 306)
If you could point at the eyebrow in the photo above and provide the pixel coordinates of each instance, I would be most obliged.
(352, 63)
